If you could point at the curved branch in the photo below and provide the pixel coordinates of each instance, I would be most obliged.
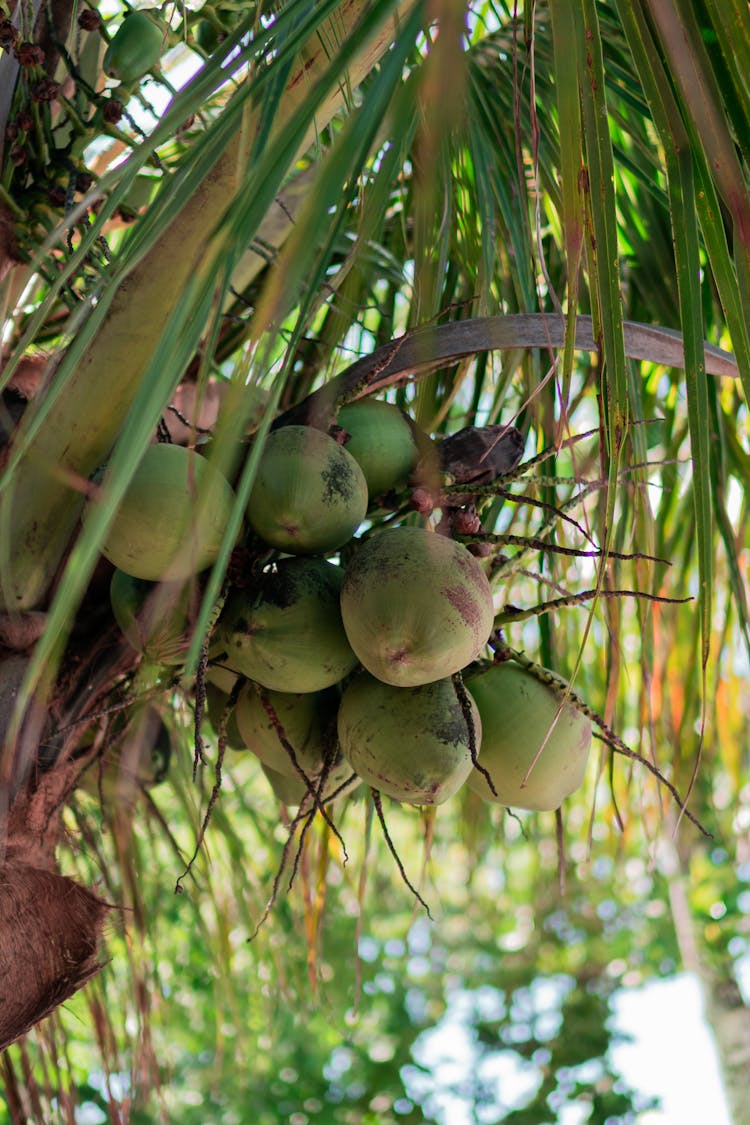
(427, 348)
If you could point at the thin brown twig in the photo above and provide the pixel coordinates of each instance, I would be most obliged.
(378, 803)
(113, 709)
(512, 613)
(299, 815)
(221, 750)
(199, 755)
(610, 738)
(543, 505)
(314, 791)
(465, 702)
(541, 545)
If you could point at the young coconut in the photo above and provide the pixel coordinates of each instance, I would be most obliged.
(136, 46)
(302, 721)
(153, 617)
(306, 722)
(287, 633)
(172, 518)
(293, 791)
(413, 744)
(521, 719)
(416, 606)
(381, 441)
(309, 494)
(288, 790)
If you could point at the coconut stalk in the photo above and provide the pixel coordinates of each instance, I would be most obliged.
(39, 511)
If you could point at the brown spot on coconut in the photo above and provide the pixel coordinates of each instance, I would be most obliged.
(535, 754)
(309, 495)
(416, 606)
(411, 743)
(287, 634)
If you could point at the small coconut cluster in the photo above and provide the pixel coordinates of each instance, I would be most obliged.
(341, 656)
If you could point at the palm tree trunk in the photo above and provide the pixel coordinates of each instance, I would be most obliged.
(726, 1014)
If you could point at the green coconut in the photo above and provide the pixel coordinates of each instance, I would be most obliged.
(309, 495)
(381, 441)
(153, 617)
(416, 606)
(305, 722)
(173, 516)
(410, 743)
(223, 678)
(288, 790)
(287, 633)
(303, 718)
(136, 46)
(520, 718)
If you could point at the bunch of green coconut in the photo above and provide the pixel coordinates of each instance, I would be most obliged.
(335, 661)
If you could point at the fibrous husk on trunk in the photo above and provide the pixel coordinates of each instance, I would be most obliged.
(50, 928)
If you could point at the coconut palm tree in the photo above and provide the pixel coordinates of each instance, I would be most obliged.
(524, 225)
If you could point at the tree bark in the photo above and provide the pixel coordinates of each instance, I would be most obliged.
(727, 1015)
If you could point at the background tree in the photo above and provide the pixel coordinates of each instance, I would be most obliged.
(533, 217)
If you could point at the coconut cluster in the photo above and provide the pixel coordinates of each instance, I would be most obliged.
(340, 656)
